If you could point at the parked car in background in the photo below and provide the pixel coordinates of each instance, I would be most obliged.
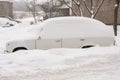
(7, 21)
(67, 32)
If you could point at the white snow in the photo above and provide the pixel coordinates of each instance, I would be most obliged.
(6, 22)
(116, 5)
(62, 64)
(27, 21)
(98, 63)
(118, 37)
(18, 32)
(4, 0)
(66, 27)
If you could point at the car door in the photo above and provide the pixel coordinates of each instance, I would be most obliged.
(72, 42)
(48, 43)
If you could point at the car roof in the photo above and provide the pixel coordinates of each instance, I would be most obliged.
(75, 27)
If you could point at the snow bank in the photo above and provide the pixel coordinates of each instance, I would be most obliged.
(62, 64)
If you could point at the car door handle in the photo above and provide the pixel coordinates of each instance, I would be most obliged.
(58, 40)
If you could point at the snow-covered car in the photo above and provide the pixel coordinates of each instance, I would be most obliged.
(67, 32)
(7, 21)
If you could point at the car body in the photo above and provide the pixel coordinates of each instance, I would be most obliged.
(67, 32)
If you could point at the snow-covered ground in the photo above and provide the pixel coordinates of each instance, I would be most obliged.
(62, 64)
(98, 63)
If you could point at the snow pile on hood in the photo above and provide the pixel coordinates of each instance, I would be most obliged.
(18, 32)
(62, 64)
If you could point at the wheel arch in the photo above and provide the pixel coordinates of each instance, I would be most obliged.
(19, 48)
(88, 45)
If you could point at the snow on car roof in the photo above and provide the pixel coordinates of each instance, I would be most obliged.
(68, 27)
